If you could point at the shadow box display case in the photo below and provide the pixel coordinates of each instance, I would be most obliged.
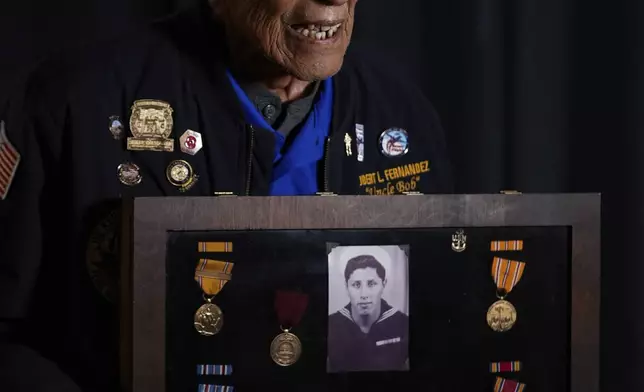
(441, 293)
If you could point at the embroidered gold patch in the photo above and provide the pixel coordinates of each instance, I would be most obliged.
(395, 180)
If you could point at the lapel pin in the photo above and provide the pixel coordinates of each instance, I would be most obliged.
(347, 144)
(394, 142)
(360, 141)
(459, 241)
(116, 127)
(181, 175)
(190, 142)
(151, 125)
(129, 174)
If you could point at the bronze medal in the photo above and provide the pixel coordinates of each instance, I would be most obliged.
(212, 276)
(286, 349)
(501, 316)
(209, 319)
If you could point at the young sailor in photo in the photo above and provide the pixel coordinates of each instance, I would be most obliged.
(367, 334)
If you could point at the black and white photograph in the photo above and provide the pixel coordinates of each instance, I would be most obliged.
(368, 324)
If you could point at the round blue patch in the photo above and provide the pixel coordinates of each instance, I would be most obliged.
(394, 142)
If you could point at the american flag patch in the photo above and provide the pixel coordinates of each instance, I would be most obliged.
(9, 160)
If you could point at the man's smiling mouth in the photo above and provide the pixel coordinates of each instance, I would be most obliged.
(318, 32)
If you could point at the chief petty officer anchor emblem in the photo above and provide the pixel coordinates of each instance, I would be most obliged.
(459, 241)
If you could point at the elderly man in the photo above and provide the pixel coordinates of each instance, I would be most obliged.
(367, 334)
(243, 97)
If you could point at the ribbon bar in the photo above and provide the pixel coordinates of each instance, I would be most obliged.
(214, 370)
(290, 307)
(507, 274)
(503, 367)
(212, 275)
(215, 247)
(505, 385)
(215, 388)
(506, 246)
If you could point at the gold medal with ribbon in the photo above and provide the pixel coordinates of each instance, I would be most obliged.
(212, 276)
(502, 315)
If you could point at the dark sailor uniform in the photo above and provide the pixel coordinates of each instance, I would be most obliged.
(368, 133)
(383, 348)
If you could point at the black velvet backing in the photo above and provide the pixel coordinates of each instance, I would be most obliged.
(451, 344)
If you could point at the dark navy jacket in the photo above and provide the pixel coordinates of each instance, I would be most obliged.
(56, 249)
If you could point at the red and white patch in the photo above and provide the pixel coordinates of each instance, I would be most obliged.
(9, 160)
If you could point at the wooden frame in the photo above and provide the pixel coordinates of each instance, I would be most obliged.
(148, 220)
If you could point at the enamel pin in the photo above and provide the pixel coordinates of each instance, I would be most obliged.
(360, 141)
(151, 125)
(181, 175)
(394, 142)
(116, 127)
(129, 174)
(459, 241)
(347, 144)
(190, 142)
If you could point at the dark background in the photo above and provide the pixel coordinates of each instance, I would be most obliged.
(536, 95)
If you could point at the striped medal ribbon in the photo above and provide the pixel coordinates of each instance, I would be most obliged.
(215, 388)
(506, 246)
(505, 385)
(505, 367)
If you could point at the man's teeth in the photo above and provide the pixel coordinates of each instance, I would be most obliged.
(319, 32)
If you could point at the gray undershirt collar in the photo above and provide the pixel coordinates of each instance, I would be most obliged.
(283, 117)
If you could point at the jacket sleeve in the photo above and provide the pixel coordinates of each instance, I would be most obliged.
(24, 156)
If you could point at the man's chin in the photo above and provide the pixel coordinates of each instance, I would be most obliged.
(315, 71)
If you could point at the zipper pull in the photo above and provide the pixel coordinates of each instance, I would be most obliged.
(249, 167)
(327, 158)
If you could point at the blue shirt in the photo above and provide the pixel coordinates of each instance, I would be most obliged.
(295, 171)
